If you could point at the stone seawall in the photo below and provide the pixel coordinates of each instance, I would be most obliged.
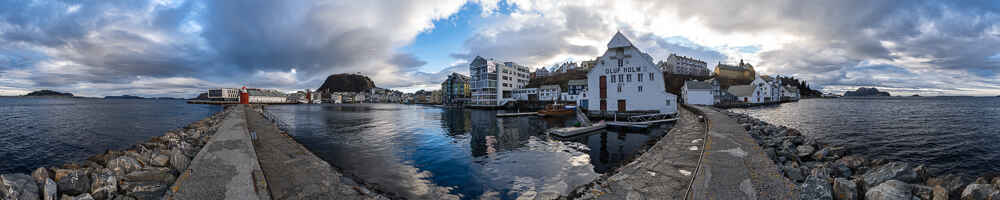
(144, 171)
(823, 171)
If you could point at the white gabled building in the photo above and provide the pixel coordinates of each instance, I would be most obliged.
(698, 92)
(549, 92)
(625, 79)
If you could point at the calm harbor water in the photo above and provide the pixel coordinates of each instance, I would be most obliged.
(956, 134)
(423, 152)
(51, 131)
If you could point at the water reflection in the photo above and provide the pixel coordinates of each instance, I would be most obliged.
(421, 152)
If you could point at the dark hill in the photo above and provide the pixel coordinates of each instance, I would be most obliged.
(48, 93)
(347, 83)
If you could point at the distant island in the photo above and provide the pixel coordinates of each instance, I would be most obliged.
(48, 93)
(866, 92)
(123, 97)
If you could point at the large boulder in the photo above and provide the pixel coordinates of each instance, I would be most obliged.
(161, 175)
(940, 193)
(159, 159)
(41, 174)
(892, 171)
(794, 173)
(978, 192)
(78, 197)
(815, 188)
(952, 183)
(844, 189)
(144, 190)
(18, 187)
(178, 160)
(104, 185)
(73, 182)
(890, 190)
(922, 191)
(805, 151)
(50, 190)
(123, 165)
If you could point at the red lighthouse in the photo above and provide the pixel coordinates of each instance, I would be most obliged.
(244, 96)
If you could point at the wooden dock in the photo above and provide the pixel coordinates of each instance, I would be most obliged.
(517, 114)
(574, 131)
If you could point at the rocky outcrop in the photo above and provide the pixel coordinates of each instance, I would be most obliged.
(48, 93)
(890, 190)
(866, 92)
(18, 186)
(821, 169)
(346, 83)
(144, 171)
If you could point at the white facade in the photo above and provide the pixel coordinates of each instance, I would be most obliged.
(493, 83)
(232, 94)
(549, 93)
(682, 65)
(266, 96)
(698, 93)
(626, 80)
(523, 94)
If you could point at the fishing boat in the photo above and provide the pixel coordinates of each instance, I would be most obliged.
(555, 110)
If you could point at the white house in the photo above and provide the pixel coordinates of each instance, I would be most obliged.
(745, 93)
(626, 80)
(698, 93)
(549, 92)
(577, 92)
(789, 93)
(526, 94)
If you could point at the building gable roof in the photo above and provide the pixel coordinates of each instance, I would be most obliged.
(698, 85)
(741, 90)
(619, 40)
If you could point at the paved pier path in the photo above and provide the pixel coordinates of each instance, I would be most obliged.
(233, 165)
(293, 172)
(226, 168)
(735, 167)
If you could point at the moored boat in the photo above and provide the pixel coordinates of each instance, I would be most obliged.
(555, 110)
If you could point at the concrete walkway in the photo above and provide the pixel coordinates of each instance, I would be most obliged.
(293, 172)
(735, 167)
(665, 171)
(226, 168)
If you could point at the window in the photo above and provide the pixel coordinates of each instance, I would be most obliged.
(640, 88)
(612, 79)
(638, 77)
(619, 88)
(628, 77)
(621, 78)
(621, 62)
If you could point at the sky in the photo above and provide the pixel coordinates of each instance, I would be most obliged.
(181, 48)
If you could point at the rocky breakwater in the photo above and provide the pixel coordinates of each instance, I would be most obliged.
(144, 171)
(828, 172)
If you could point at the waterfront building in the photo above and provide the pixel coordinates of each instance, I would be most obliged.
(526, 94)
(549, 92)
(493, 83)
(744, 93)
(266, 96)
(698, 92)
(436, 97)
(770, 88)
(740, 74)
(224, 94)
(455, 90)
(789, 93)
(577, 92)
(625, 80)
(683, 65)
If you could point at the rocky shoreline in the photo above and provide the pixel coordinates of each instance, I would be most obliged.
(822, 171)
(144, 171)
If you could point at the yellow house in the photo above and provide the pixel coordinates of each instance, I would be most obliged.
(735, 74)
